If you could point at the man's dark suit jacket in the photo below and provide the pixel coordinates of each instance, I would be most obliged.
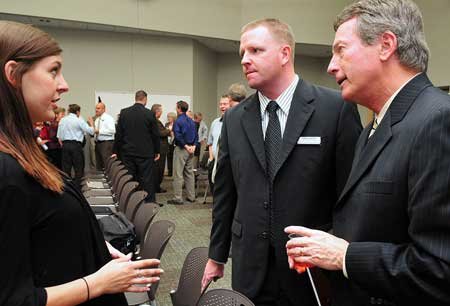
(137, 133)
(395, 207)
(163, 133)
(305, 187)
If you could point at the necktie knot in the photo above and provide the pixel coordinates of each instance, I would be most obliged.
(272, 107)
(375, 124)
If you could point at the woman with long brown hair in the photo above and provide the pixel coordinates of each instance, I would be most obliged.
(52, 251)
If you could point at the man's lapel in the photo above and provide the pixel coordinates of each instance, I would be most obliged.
(365, 155)
(299, 115)
(251, 122)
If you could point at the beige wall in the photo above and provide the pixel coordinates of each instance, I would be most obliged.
(114, 61)
(436, 15)
(205, 82)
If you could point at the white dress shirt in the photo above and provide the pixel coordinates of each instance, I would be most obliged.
(284, 102)
(106, 126)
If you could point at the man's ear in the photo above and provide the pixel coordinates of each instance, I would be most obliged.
(388, 45)
(286, 54)
(10, 68)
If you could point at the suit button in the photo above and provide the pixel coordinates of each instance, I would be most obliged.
(266, 205)
(264, 235)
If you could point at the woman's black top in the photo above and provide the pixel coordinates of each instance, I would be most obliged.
(46, 239)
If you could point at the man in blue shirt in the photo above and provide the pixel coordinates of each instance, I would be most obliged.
(70, 133)
(186, 139)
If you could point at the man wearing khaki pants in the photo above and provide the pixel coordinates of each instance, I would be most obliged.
(185, 140)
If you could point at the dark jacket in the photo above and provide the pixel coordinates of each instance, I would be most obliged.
(395, 207)
(137, 133)
(305, 187)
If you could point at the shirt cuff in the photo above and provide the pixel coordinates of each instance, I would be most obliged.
(218, 262)
(344, 269)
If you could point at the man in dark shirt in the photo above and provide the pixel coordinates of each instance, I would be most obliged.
(164, 148)
(185, 140)
(137, 142)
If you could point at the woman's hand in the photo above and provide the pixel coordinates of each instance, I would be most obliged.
(122, 274)
(115, 253)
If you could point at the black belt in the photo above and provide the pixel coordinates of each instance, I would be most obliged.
(100, 141)
(72, 141)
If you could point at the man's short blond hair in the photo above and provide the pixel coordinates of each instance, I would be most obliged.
(281, 31)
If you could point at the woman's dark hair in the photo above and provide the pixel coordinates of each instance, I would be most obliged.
(25, 45)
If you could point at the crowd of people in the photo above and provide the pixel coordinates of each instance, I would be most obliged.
(369, 206)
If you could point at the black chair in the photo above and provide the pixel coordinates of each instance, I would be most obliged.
(224, 297)
(143, 217)
(136, 199)
(156, 239)
(188, 291)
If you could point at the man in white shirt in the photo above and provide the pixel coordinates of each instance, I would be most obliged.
(105, 128)
(213, 138)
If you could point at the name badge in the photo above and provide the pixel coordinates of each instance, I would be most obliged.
(309, 140)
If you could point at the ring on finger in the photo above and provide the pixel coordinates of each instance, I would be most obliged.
(139, 274)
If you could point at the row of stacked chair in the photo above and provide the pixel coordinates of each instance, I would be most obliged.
(114, 191)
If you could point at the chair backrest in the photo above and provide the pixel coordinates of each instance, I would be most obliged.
(125, 194)
(114, 170)
(116, 178)
(120, 184)
(143, 217)
(224, 297)
(109, 162)
(190, 283)
(156, 239)
(136, 199)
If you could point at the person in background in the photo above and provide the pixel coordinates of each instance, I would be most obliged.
(237, 93)
(185, 141)
(53, 251)
(171, 117)
(391, 231)
(202, 134)
(70, 133)
(137, 143)
(214, 135)
(164, 148)
(104, 129)
(48, 134)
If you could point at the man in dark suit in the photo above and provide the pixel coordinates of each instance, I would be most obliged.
(137, 142)
(160, 164)
(392, 218)
(276, 167)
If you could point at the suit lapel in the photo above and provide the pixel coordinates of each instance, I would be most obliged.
(299, 114)
(365, 155)
(368, 153)
(251, 122)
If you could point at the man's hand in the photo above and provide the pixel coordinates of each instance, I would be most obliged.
(315, 248)
(157, 156)
(90, 121)
(189, 149)
(213, 271)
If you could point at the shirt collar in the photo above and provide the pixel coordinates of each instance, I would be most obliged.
(388, 103)
(284, 99)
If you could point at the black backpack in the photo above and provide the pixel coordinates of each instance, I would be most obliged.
(120, 232)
